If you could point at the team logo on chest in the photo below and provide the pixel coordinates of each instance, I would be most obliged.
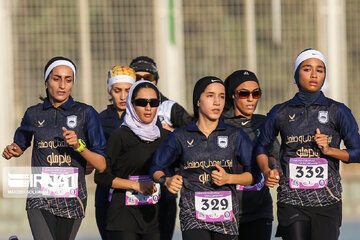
(190, 143)
(291, 118)
(71, 121)
(41, 123)
(222, 141)
(323, 117)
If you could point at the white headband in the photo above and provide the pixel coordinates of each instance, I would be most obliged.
(120, 78)
(312, 53)
(59, 63)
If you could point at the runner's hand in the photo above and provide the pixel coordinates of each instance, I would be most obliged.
(12, 150)
(174, 183)
(322, 141)
(272, 177)
(220, 176)
(146, 188)
(71, 138)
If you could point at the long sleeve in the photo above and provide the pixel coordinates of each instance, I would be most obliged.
(349, 132)
(113, 150)
(167, 153)
(268, 133)
(95, 133)
(244, 155)
(24, 133)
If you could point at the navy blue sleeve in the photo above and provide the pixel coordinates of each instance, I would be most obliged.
(243, 152)
(24, 133)
(167, 153)
(268, 133)
(349, 132)
(95, 134)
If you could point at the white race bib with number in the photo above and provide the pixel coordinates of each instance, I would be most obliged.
(134, 198)
(59, 182)
(308, 173)
(213, 206)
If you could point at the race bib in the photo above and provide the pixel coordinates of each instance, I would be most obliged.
(134, 198)
(213, 206)
(308, 173)
(59, 182)
(256, 187)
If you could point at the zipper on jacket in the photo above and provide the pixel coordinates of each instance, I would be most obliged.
(56, 116)
(307, 114)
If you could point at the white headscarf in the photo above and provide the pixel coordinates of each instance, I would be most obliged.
(145, 131)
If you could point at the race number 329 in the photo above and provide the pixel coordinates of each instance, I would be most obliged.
(306, 173)
(213, 206)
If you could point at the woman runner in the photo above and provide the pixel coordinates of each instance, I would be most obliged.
(133, 210)
(207, 152)
(311, 127)
(256, 211)
(66, 136)
(120, 79)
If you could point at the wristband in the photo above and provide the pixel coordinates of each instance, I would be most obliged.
(162, 179)
(82, 146)
(275, 166)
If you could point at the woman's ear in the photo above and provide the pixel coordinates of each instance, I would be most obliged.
(198, 103)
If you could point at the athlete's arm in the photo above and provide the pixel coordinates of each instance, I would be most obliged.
(22, 138)
(272, 176)
(173, 184)
(349, 132)
(12, 150)
(220, 177)
(95, 159)
(145, 188)
(323, 143)
(273, 163)
(268, 134)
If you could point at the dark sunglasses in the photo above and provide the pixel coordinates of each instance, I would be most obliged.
(147, 77)
(242, 94)
(143, 102)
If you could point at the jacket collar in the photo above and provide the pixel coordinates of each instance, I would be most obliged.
(321, 100)
(66, 105)
(194, 128)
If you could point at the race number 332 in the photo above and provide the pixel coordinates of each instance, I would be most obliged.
(213, 206)
(308, 173)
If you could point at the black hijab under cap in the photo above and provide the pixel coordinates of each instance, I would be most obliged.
(145, 64)
(199, 88)
(233, 81)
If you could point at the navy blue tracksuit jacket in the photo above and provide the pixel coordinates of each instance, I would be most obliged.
(297, 126)
(44, 123)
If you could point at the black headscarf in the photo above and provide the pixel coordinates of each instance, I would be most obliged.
(233, 81)
(199, 88)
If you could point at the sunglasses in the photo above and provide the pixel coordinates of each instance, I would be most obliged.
(143, 102)
(243, 94)
(148, 77)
